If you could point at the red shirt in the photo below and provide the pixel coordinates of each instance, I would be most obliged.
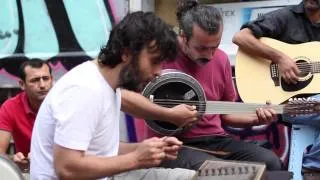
(216, 80)
(17, 117)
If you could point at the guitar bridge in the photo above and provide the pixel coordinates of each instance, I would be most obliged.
(274, 72)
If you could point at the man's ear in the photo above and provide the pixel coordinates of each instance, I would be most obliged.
(183, 36)
(126, 56)
(22, 84)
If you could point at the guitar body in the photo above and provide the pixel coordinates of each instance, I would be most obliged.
(258, 80)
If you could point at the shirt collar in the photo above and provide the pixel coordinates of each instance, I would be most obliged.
(299, 9)
(25, 103)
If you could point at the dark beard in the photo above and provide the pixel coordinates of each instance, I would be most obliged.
(129, 77)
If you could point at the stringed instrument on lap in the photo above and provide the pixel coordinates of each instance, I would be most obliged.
(172, 88)
(259, 80)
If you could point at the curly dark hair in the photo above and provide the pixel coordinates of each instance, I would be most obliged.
(135, 32)
(190, 12)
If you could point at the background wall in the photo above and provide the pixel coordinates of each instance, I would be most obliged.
(64, 33)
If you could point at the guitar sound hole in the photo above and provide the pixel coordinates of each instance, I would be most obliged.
(304, 67)
(305, 77)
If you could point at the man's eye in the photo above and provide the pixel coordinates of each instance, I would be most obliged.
(34, 80)
(46, 78)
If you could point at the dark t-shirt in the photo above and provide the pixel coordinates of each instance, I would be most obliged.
(288, 24)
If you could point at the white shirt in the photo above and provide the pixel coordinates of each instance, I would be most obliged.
(81, 112)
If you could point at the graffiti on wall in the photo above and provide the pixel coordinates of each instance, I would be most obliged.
(65, 33)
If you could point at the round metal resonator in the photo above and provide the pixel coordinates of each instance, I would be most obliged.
(169, 89)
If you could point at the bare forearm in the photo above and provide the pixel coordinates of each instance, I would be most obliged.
(141, 107)
(93, 167)
(5, 137)
(249, 43)
(240, 121)
(125, 148)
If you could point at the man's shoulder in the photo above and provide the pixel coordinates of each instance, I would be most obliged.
(14, 101)
(287, 11)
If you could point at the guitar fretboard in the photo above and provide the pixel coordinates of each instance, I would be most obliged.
(222, 107)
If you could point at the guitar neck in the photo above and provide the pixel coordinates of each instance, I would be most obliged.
(223, 107)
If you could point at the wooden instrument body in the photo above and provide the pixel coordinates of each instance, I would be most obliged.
(258, 80)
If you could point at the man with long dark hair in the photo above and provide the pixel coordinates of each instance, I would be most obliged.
(76, 134)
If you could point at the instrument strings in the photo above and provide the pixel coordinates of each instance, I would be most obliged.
(306, 67)
(211, 107)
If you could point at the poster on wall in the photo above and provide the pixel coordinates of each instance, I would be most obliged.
(237, 14)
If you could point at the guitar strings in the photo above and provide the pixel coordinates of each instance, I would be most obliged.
(233, 108)
(306, 67)
(230, 104)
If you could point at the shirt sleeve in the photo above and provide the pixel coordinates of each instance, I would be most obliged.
(76, 112)
(6, 122)
(268, 25)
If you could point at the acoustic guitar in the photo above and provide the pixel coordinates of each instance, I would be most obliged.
(258, 79)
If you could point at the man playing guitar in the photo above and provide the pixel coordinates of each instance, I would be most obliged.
(293, 24)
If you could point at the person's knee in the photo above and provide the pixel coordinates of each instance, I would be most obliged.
(272, 161)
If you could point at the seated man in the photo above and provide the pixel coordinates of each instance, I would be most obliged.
(200, 34)
(17, 114)
(76, 132)
(293, 24)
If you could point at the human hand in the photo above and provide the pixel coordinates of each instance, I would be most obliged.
(183, 114)
(150, 152)
(172, 147)
(288, 69)
(265, 115)
(22, 161)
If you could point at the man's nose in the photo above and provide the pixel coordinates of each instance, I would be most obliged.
(157, 70)
(209, 53)
(42, 83)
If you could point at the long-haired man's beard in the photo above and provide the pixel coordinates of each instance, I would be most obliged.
(130, 79)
